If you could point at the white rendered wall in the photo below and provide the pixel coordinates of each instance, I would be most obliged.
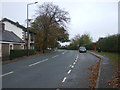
(11, 27)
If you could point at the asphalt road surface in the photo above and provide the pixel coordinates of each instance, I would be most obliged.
(59, 69)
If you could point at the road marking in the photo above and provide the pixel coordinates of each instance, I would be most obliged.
(37, 62)
(55, 56)
(69, 71)
(77, 56)
(64, 79)
(63, 53)
(72, 66)
(75, 60)
(74, 63)
(6, 74)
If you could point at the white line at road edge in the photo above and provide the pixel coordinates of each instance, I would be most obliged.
(6, 74)
(64, 79)
(37, 62)
(69, 71)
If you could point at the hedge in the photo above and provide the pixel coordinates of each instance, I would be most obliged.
(110, 43)
(72, 47)
(20, 53)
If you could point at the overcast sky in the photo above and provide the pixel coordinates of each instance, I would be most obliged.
(97, 17)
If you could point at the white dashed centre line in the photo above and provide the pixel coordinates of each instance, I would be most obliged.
(75, 60)
(64, 79)
(72, 66)
(37, 62)
(74, 63)
(69, 71)
(6, 74)
(77, 57)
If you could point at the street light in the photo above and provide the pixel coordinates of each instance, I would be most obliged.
(27, 26)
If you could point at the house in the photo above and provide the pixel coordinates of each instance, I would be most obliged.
(9, 41)
(20, 31)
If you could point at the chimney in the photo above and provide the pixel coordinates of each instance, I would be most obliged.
(2, 26)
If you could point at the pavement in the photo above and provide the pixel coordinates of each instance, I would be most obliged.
(59, 69)
(106, 72)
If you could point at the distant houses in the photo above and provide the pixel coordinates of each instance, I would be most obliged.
(14, 36)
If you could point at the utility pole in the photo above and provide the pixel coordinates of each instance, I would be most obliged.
(27, 26)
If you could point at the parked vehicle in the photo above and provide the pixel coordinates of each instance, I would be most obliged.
(82, 49)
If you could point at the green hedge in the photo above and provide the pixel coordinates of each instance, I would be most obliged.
(110, 43)
(72, 47)
(20, 53)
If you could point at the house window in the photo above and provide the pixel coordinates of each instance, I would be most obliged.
(26, 35)
(22, 46)
(11, 46)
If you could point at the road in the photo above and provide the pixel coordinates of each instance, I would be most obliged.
(59, 69)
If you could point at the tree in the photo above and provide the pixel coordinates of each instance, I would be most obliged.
(77, 41)
(55, 14)
(50, 25)
(84, 40)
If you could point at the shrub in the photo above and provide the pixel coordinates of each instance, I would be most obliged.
(20, 53)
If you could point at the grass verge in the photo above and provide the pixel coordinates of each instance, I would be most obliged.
(114, 57)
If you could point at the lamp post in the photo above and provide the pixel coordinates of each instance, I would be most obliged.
(27, 26)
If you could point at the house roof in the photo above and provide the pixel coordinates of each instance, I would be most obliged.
(17, 24)
(8, 36)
